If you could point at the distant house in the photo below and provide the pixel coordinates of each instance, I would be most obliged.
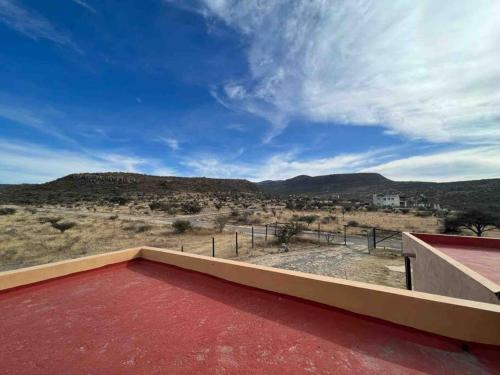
(383, 200)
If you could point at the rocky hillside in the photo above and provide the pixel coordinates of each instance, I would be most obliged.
(483, 194)
(96, 186)
(328, 184)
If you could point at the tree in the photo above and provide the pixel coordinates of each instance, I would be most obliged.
(309, 219)
(451, 225)
(289, 230)
(218, 205)
(473, 220)
(220, 222)
(181, 226)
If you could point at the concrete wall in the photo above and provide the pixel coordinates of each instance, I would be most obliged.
(391, 200)
(459, 319)
(30, 275)
(437, 273)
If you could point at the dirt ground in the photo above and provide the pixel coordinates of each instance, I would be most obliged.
(345, 262)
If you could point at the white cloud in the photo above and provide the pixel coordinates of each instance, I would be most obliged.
(30, 163)
(85, 5)
(424, 69)
(32, 24)
(172, 143)
(282, 165)
(216, 168)
(456, 165)
(453, 165)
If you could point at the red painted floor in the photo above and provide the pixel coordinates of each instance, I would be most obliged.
(484, 261)
(147, 318)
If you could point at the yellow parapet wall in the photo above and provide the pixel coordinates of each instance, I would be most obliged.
(455, 318)
(30, 275)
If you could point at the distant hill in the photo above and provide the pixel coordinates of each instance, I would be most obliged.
(328, 184)
(95, 186)
(483, 194)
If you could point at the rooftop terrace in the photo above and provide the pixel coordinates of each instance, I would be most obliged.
(481, 255)
(148, 311)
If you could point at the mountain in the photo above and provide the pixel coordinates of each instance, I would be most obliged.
(328, 184)
(482, 194)
(95, 186)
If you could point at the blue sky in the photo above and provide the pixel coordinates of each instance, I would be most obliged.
(249, 89)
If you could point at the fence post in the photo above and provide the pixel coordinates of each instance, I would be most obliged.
(213, 246)
(275, 228)
(252, 236)
(182, 248)
(345, 234)
(266, 232)
(319, 233)
(374, 238)
(236, 233)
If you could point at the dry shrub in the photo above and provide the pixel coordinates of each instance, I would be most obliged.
(63, 226)
(7, 211)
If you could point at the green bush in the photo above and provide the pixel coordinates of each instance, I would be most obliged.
(181, 226)
(451, 225)
(288, 231)
(163, 206)
(191, 207)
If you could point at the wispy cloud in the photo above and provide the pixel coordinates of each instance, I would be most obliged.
(446, 165)
(171, 143)
(85, 5)
(282, 165)
(32, 24)
(237, 127)
(425, 69)
(27, 162)
(39, 120)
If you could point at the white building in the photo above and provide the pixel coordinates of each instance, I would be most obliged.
(383, 200)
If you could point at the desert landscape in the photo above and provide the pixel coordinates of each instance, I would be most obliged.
(332, 239)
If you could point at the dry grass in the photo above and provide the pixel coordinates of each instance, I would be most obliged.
(334, 220)
(25, 241)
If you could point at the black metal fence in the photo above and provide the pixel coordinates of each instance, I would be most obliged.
(247, 238)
